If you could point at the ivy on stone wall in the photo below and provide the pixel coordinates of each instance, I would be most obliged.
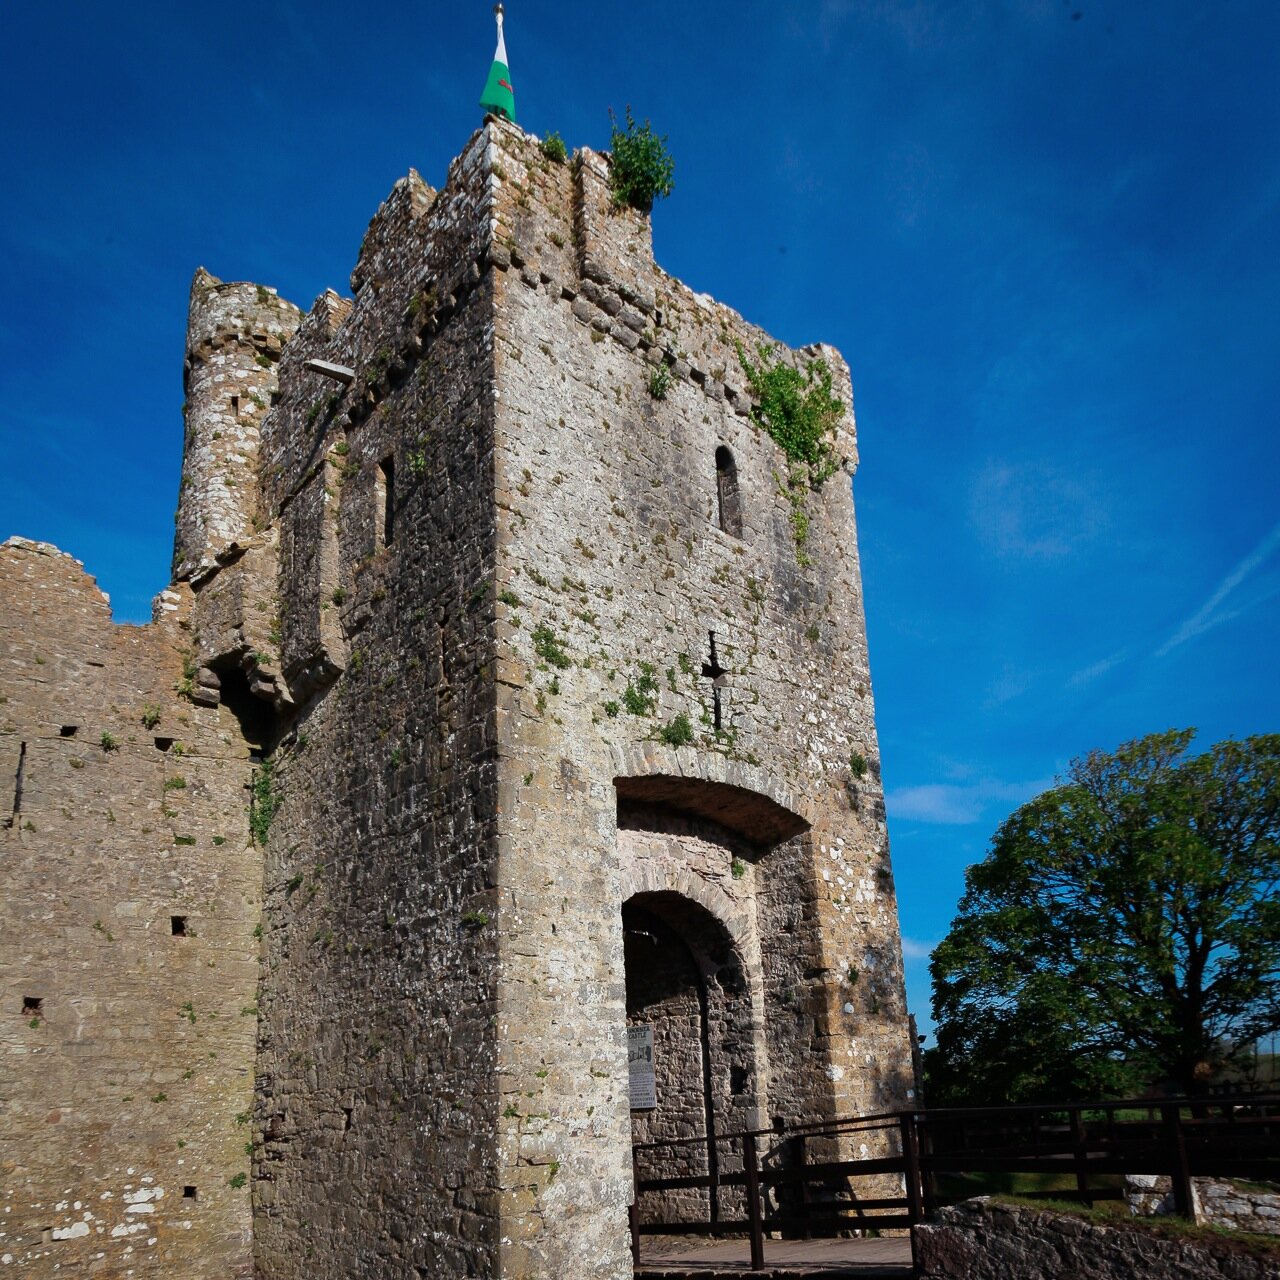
(799, 410)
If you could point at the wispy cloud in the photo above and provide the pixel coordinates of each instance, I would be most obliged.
(914, 949)
(1034, 510)
(953, 805)
(1211, 613)
(1096, 670)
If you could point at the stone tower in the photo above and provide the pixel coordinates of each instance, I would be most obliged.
(510, 714)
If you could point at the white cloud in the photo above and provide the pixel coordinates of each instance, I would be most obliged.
(948, 804)
(914, 949)
(1208, 615)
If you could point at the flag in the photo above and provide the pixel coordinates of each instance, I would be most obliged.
(499, 97)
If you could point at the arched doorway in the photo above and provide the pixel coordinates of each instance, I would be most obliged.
(688, 996)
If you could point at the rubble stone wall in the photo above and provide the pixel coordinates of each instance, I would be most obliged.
(377, 1102)
(1241, 1205)
(613, 571)
(128, 956)
(982, 1240)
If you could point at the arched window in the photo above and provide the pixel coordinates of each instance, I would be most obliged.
(727, 499)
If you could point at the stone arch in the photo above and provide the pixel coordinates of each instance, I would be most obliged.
(687, 982)
(647, 879)
(743, 797)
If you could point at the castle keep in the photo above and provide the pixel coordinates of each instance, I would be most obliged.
(494, 708)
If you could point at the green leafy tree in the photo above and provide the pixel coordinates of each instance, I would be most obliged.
(1123, 929)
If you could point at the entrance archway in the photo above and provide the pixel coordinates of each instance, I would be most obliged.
(687, 986)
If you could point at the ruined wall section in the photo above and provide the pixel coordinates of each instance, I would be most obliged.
(376, 1107)
(128, 956)
(235, 333)
(612, 574)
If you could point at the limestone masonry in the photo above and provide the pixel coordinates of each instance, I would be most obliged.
(493, 708)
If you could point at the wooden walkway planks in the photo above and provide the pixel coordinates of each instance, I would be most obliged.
(875, 1259)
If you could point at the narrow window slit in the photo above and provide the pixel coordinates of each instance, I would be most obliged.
(714, 672)
(19, 772)
(386, 489)
(728, 501)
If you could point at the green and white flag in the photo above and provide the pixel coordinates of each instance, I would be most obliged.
(499, 97)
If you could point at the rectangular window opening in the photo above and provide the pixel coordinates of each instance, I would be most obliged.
(32, 1006)
(68, 731)
(179, 926)
(163, 744)
(190, 1193)
(387, 500)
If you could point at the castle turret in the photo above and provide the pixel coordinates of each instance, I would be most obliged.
(234, 336)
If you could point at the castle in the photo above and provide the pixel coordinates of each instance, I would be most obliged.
(503, 699)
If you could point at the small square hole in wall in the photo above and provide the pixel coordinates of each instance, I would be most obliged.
(190, 1193)
(32, 1006)
(179, 926)
(163, 744)
(68, 731)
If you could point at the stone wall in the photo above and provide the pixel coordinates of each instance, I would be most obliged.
(377, 1105)
(128, 956)
(984, 1240)
(613, 574)
(1240, 1205)
(235, 333)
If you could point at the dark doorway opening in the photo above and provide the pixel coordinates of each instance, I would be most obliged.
(257, 718)
(686, 988)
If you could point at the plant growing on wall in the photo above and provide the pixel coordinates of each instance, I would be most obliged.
(264, 803)
(798, 409)
(643, 170)
(554, 149)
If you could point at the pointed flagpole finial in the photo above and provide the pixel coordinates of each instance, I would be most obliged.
(499, 97)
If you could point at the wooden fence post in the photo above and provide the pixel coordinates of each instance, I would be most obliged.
(752, 1171)
(1080, 1158)
(911, 1159)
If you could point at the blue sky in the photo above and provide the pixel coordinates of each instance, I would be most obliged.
(1043, 234)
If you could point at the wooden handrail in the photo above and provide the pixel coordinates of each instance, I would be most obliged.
(1222, 1139)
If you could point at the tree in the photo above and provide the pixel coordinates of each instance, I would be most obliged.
(1123, 929)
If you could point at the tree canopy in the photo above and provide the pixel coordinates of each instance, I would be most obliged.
(1123, 930)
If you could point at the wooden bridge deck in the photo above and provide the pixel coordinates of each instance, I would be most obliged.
(685, 1259)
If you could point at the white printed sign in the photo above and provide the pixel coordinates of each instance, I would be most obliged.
(644, 1090)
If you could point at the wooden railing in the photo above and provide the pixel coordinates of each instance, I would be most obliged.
(801, 1180)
